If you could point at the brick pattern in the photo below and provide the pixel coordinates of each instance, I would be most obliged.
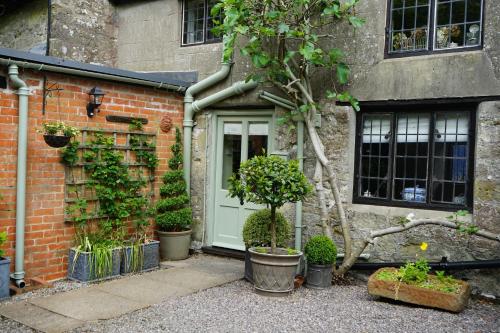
(48, 237)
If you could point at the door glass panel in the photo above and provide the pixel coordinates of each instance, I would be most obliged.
(257, 139)
(231, 154)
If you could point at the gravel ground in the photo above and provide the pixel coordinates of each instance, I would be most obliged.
(236, 308)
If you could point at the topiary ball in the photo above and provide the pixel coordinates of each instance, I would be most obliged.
(320, 250)
(257, 229)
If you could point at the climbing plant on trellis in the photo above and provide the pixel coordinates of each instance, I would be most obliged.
(110, 178)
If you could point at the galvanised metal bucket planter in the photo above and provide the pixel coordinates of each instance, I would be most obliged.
(174, 245)
(274, 274)
(83, 269)
(149, 258)
(4, 277)
(319, 276)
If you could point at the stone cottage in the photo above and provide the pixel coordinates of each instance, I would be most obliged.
(426, 72)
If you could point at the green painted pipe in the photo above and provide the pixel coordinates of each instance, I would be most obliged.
(22, 147)
(78, 72)
(300, 156)
(188, 122)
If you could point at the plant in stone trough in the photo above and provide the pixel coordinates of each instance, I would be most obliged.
(271, 181)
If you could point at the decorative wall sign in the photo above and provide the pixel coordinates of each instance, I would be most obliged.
(126, 120)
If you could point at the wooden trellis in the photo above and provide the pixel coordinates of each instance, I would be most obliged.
(77, 178)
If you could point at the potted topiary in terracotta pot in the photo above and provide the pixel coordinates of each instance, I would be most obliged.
(173, 211)
(271, 181)
(257, 232)
(321, 253)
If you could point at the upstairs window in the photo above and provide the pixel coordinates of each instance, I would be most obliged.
(197, 22)
(419, 157)
(434, 25)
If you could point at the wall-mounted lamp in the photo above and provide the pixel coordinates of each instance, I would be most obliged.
(96, 96)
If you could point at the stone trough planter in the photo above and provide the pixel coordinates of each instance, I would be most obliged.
(150, 260)
(81, 269)
(454, 302)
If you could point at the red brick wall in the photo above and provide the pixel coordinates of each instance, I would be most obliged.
(48, 237)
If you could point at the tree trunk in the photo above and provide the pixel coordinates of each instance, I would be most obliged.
(273, 229)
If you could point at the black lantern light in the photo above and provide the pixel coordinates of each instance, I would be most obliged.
(96, 96)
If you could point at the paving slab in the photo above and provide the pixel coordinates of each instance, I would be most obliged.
(88, 304)
(142, 290)
(184, 278)
(39, 318)
(111, 299)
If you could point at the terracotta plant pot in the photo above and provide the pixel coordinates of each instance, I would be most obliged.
(174, 245)
(454, 302)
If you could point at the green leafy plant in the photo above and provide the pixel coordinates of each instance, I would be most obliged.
(414, 272)
(320, 250)
(3, 239)
(173, 211)
(417, 274)
(59, 128)
(257, 229)
(272, 181)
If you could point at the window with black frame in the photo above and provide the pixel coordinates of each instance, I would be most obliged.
(197, 22)
(434, 25)
(417, 158)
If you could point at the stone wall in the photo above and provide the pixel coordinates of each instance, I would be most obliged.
(25, 28)
(48, 236)
(84, 31)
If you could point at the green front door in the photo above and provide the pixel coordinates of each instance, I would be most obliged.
(238, 139)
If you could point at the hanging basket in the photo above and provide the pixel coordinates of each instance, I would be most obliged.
(56, 141)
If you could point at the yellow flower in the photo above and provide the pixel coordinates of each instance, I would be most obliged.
(423, 246)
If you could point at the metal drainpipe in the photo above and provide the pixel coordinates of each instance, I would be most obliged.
(300, 156)
(22, 146)
(188, 122)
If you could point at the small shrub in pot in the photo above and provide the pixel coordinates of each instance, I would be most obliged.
(321, 254)
(271, 181)
(257, 232)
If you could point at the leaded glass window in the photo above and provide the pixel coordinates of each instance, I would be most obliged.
(417, 158)
(197, 22)
(432, 25)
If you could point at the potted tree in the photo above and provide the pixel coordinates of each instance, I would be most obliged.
(321, 253)
(57, 134)
(257, 233)
(173, 212)
(4, 268)
(272, 181)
